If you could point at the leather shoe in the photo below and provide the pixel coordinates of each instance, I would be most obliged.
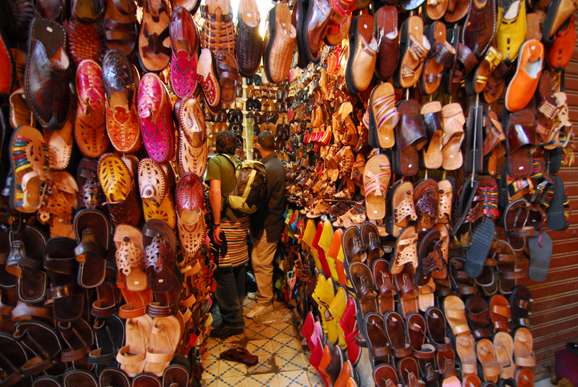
(559, 53)
(222, 332)
(362, 54)
(480, 26)
(388, 49)
(525, 81)
(47, 74)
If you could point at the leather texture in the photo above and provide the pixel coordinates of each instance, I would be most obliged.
(47, 74)
(525, 81)
(362, 54)
(249, 43)
(388, 49)
(184, 42)
(279, 52)
(560, 52)
(480, 26)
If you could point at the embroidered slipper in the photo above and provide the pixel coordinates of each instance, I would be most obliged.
(121, 81)
(30, 163)
(192, 122)
(156, 118)
(154, 40)
(383, 116)
(190, 199)
(118, 185)
(207, 77)
(154, 191)
(138, 335)
(191, 159)
(376, 175)
(184, 43)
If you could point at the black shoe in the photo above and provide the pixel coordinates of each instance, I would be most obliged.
(222, 332)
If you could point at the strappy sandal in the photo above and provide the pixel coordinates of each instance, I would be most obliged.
(385, 376)
(79, 338)
(504, 346)
(506, 265)
(29, 163)
(43, 342)
(523, 343)
(110, 337)
(156, 198)
(154, 54)
(120, 26)
(514, 220)
(91, 229)
(383, 116)
(66, 296)
(432, 157)
(478, 317)
(12, 359)
(118, 185)
(454, 120)
(436, 330)
(522, 307)
(500, 314)
(440, 58)
(405, 250)
(376, 175)
(394, 329)
(409, 371)
(414, 47)
(407, 292)
(130, 258)
(132, 356)
(461, 283)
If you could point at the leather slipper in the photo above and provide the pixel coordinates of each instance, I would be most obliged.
(239, 355)
(414, 48)
(376, 175)
(184, 44)
(79, 338)
(487, 358)
(440, 58)
(132, 356)
(384, 283)
(521, 140)
(228, 75)
(383, 116)
(378, 343)
(453, 126)
(164, 339)
(154, 191)
(431, 113)
(410, 138)
(540, 249)
(362, 279)
(504, 346)
(500, 314)
(384, 375)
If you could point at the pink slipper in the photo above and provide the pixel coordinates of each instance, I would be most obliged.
(185, 41)
(155, 118)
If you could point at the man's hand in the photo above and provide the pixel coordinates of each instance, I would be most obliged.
(216, 235)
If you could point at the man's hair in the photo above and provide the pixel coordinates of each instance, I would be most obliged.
(266, 140)
(226, 142)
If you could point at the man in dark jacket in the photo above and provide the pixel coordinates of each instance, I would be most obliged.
(267, 234)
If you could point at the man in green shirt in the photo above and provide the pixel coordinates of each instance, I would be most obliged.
(230, 274)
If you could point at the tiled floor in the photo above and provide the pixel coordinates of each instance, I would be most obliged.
(282, 362)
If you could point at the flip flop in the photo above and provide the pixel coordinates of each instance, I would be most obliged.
(383, 116)
(482, 237)
(540, 249)
(556, 216)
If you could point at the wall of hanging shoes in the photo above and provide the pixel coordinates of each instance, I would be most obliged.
(422, 142)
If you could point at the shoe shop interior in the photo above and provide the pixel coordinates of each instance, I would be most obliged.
(288, 193)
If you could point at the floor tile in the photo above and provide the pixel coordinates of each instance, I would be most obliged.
(315, 379)
(240, 381)
(260, 348)
(266, 364)
(211, 369)
(293, 379)
(284, 330)
(258, 332)
(290, 361)
(229, 369)
(268, 380)
(234, 339)
(209, 383)
(285, 344)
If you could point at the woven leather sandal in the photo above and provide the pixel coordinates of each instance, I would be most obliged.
(84, 29)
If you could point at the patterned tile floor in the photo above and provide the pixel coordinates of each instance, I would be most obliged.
(282, 362)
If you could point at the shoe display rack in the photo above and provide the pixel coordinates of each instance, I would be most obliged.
(422, 143)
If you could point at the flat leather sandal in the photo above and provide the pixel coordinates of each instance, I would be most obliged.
(487, 358)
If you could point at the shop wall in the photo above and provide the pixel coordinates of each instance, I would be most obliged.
(556, 299)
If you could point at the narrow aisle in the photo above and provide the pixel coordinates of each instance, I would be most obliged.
(282, 362)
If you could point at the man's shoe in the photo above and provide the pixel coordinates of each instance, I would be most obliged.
(222, 332)
(260, 310)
